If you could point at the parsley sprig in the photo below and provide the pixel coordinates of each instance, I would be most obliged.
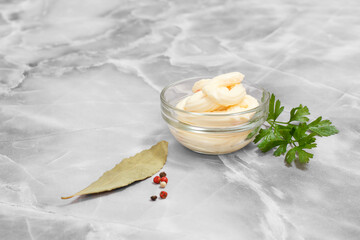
(294, 137)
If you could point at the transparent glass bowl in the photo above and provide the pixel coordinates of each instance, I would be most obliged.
(212, 133)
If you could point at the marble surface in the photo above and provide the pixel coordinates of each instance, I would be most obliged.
(80, 84)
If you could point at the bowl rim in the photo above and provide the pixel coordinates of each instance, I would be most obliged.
(260, 107)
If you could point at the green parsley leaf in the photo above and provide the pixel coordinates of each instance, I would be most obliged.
(309, 146)
(253, 133)
(300, 131)
(292, 137)
(304, 157)
(274, 108)
(299, 113)
(262, 133)
(307, 139)
(322, 128)
(269, 139)
(290, 155)
(281, 150)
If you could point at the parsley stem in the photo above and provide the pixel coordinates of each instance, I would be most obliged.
(292, 143)
(282, 122)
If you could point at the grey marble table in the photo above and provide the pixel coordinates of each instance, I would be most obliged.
(79, 91)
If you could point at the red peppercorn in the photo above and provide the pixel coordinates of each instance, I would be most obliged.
(163, 194)
(157, 179)
(164, 179)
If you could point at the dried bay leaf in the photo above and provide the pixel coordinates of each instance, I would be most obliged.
(129, 170)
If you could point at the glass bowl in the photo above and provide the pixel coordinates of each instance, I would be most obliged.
(212, 133)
